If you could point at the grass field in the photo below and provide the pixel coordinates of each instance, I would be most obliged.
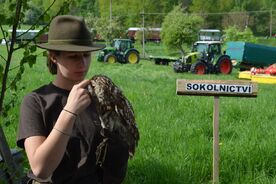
(176, 131)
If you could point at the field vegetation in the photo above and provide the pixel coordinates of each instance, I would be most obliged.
(176, 131)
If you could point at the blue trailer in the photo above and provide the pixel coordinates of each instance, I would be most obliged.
(245, 55)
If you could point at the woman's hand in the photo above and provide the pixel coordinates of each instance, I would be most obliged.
(78, 98)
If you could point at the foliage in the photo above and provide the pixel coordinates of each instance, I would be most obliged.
(239, 20)
(217, 14)
(130, 12)
(254, 14)
(203, 8)
(34, 13)
(106, 29)
(233, 34)
(139, 35)
(179, 28)
(56, 6)
(86, 7)
(258, 23)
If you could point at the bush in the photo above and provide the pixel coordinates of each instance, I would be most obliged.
(233, 34)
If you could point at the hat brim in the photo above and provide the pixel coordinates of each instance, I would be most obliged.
(71, 48)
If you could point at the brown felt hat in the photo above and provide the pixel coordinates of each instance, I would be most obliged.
(69, 33)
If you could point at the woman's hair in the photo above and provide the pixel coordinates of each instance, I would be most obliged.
(50, 64)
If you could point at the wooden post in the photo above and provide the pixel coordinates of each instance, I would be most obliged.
(216, 141)
(216, 88)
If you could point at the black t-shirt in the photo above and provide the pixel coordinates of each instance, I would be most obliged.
(38, 114)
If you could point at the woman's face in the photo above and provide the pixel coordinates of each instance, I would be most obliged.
(72, 66)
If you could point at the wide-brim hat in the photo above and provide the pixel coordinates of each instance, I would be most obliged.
(70, 33)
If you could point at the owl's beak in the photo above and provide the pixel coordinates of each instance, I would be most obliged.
(90, 89)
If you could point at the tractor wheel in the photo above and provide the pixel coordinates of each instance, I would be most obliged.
(110, 58)
(157, 61)
(177, 66)
(199, 68)
(132, 57)
(224, 65)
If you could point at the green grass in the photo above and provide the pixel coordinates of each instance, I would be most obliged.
(176, 131)
(269, 41)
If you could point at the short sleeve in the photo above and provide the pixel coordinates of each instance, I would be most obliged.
(31, 119)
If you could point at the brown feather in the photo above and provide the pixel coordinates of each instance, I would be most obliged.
(115, 111)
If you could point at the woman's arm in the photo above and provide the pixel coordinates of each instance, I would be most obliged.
(45, 153)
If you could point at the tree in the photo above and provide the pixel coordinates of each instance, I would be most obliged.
(88, 6)
(104, 28)
(238, 19)
(129, 11)
(10, 77)
(33, 14)
(84, 7)
(232, 33)
(204, 9)
(57, 5)
(179, 28)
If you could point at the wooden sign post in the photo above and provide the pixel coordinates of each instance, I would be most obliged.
(216, 88)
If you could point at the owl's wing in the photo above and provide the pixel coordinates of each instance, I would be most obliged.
(115, 111)
(131, 133)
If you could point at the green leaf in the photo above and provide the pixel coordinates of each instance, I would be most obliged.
(45, 53)
(12, 7)
(6, 34)
(7, 123)
(24, 60)
(47, 18)
(2, 17)
(32, 60)
(26, 52)
(32, 48)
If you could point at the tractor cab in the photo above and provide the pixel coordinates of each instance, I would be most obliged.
(122, 44)
(208, 49)
(209, 35)
(120, 50)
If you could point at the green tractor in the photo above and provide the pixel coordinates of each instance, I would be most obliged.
(206, 57)
(121, 50)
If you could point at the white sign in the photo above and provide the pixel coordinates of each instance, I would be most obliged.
(221, 88)
(216, 88)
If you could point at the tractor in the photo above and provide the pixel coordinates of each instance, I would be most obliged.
(206, 57)
(121, 50)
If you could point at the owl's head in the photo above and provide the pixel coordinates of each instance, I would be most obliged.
(103, 88)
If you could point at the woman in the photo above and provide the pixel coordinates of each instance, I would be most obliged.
(59, 127)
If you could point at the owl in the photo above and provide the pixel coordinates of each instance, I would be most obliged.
(115, 113)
